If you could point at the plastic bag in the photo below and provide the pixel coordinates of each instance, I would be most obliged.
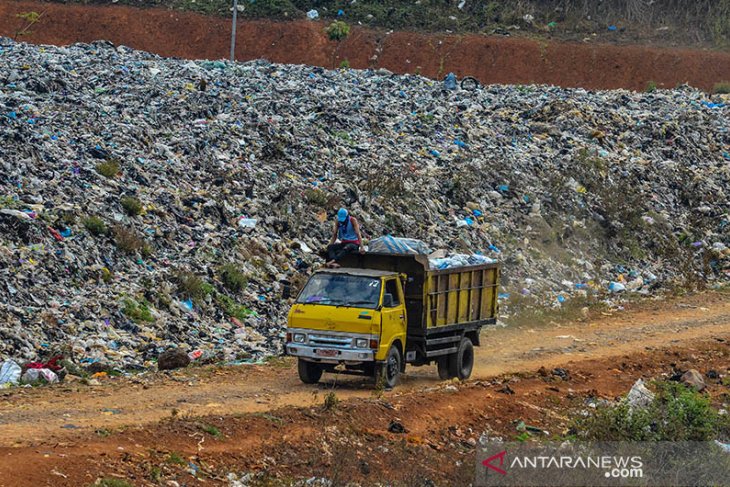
(9, 373)
(394, 245)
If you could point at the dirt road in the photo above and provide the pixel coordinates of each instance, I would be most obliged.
(256, 415)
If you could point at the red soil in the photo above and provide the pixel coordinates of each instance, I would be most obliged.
(490, 59)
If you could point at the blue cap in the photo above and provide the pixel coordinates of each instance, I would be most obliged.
(341, 215)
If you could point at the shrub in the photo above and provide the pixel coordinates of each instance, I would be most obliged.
(211, 430)
(337, 30)
(129, 241)
(132, 206)
(330, 401)
(722, 88)
(316, 197)
(345, 64)
(651, 87)
(111, 482)
(232, 308)
(95, 225)
(108, 168)
(676, 414)
(232, 278)
(192, 286)
(138, 312)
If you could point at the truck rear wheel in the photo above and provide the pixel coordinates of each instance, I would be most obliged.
(444, 367)
(309, 372)
(388, 372)
(462, 362)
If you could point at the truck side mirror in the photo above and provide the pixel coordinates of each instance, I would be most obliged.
(387, 300)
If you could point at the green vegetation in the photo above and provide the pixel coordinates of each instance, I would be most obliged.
(129, 241)
(233, 279)
(109, 168)
(722, 88)
(345, 64)
(95, 225)
(111, 482)
(132, 206)
(232, 308)
(651, 87)
(176, 459)
(316, 197)
(138, 312)
(330, 401)
(677, 413)
(8, 202)
(192, 286)
(211, 430)
(338, 30)
(697, 22)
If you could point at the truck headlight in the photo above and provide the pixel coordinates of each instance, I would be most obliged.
(299, 337)
(361, 343)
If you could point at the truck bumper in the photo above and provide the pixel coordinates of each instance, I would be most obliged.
(329, 355)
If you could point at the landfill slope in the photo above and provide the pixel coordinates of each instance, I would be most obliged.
(189, 166)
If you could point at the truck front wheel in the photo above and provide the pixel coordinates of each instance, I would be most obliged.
(309, 372)
(388, 372)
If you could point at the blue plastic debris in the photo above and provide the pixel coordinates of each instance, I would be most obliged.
(612, 28)
(493, 248)
(503, 188)
(477, 213)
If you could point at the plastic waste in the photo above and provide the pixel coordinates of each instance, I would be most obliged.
(32, 376)
(312, 15)
(9, 373)
(450, 81)
(396, 245)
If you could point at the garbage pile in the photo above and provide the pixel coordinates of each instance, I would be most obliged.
(150, 203)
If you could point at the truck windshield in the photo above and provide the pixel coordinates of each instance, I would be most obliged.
(341, 290)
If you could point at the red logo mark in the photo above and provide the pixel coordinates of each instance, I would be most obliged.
(488, 462)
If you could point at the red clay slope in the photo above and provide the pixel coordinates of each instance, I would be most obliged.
(490, 59)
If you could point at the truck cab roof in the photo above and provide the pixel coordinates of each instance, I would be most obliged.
(353, 271)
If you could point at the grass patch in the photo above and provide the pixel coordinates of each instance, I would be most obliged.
(345, 64)
(110, 482)
(138, 312)
(109, 168)
(722, 88)
(232, 308)
(211, 430)
(233, 279)
(95, 225)
(132, 206)
(176, 459)
(650, 87)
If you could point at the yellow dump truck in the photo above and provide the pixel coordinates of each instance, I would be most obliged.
(380, 311)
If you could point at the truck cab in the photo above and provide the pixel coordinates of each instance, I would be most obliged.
(351, 317)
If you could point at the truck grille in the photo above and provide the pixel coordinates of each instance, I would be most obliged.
(330, 340)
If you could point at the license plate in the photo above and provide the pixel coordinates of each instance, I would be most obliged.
(326, 353)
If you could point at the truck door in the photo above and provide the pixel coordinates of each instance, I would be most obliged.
(394, 313)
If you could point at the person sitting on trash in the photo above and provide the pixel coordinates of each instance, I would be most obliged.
(347, 230)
